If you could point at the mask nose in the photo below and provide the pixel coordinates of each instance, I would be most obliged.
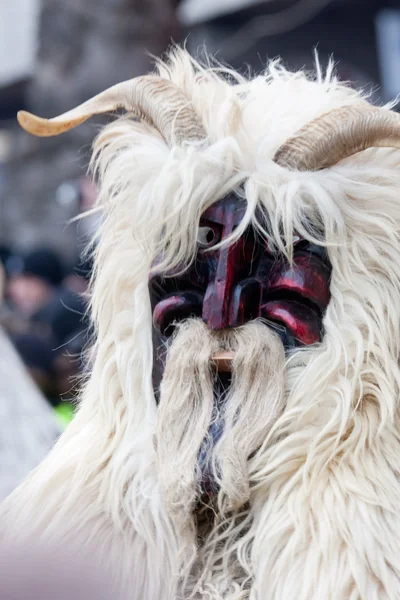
(232, 297)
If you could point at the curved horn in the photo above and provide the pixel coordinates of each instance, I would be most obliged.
(150, 97)
(339, 134)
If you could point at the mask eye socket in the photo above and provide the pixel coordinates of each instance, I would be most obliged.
(207, 237)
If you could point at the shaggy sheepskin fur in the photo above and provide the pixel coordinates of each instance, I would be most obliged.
(309, 502)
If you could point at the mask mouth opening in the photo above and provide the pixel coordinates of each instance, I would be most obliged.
(222, 384)
(206, 508)
(223, 361)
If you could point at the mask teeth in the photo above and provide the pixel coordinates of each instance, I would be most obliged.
(223, 361)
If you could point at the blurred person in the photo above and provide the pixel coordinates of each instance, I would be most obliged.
(8, 317)
(39, 291)
(34, 281)
(6, 261)
(44, 318)
(71, 328)
(75, 282)
(77, 279)
(63, 315)
(56, 371)
(53, 354)
(39, 355)
(5, 254)
(69, 369)
(2, 279)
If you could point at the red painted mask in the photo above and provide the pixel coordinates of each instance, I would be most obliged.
(230, 286)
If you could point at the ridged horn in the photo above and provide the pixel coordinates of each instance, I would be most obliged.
(339, 134)
(155, 99)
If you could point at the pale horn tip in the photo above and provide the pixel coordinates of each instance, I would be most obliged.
(31, 123)
(223, 361)
(46, 127)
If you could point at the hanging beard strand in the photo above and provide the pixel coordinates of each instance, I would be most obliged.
(187, 409)
(184, 414)
(254, 402)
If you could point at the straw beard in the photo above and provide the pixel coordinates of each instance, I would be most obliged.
(206, 432)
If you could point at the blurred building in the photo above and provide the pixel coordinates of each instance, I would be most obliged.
(19, 28)
(363, 36)
(82, 47)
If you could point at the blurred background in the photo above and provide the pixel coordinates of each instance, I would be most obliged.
(58, 53)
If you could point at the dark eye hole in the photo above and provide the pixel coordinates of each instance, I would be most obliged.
(207, 237)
